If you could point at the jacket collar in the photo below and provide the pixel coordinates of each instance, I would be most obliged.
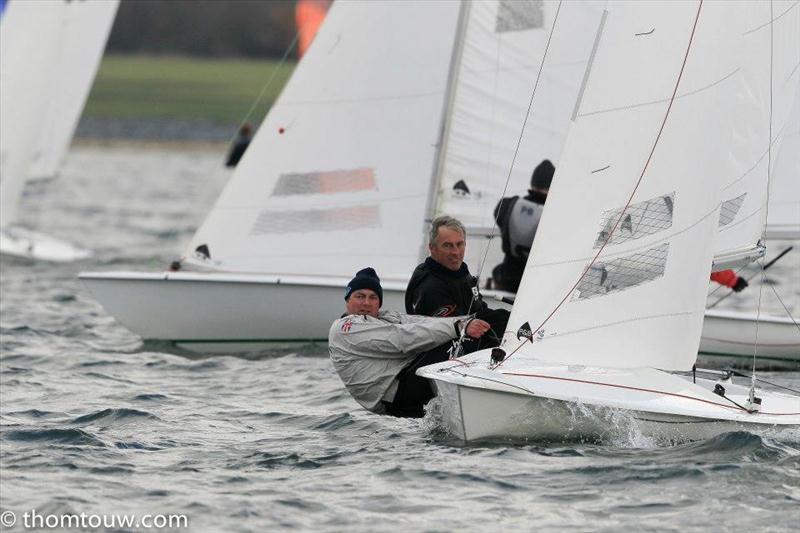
(536, 197)
(439, 269)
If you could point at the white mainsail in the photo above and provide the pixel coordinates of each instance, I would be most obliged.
(502, 50)
(338, 174)
(768, 73)
(640, 303)
(49, 51)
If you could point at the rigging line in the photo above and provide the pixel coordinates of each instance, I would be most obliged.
(769, 165)
(785, 308)
(272, 76)
(630, 198)
(742, 374)
(521, 133)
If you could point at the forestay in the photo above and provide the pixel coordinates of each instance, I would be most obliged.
(768, 74)
(641, 302)
(338, 175)
(82, 38)
(502, 49)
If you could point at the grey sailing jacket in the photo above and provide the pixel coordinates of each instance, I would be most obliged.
(368, 353)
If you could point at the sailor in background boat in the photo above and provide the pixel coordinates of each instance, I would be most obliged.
(376, 353)
(518, 219)
(442, 286)
(730, 280)
(240, 144)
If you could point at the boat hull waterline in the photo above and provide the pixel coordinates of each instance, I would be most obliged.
(601, 405)
(731, 333)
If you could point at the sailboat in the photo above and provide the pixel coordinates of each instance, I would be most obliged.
(728, 336)
(49, 53)
(375, 134)
(605, 328)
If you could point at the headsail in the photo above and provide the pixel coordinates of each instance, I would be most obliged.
(28, 49)
(82, 38)
(49, 53)
(619, 267)
(504, 42)
(338, 174)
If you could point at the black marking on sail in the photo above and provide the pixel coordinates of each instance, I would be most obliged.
(646, 33)
(524, 331)
(203, 250)
(461, 187)
(601, 169)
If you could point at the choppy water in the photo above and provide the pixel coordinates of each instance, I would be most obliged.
(93, 421)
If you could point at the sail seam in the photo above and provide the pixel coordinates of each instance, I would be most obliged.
(661, 101)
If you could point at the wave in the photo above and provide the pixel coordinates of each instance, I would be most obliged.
(72, 436)
(113, 415)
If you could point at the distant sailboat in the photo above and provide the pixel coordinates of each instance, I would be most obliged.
(729, 336)
(49, 53)
(604, 316)
(368, 140)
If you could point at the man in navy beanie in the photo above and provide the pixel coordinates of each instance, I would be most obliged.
(377, 352)
(518, 219)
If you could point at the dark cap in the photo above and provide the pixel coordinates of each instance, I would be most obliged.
(366, 278)
(543, 175)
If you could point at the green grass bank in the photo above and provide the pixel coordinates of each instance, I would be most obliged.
(219, 90)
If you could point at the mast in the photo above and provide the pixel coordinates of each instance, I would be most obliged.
(447, 112)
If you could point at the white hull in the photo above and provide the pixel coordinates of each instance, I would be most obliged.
(25, 244)
(729, 335)
(226, 313)
(559, 403)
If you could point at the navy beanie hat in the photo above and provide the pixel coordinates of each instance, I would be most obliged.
(543, 175)
(366, 278)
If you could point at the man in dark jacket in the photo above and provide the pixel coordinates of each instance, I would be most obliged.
(518, 219)
(240, 144)
(442, 286)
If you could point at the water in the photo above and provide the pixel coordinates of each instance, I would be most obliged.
(93, 421)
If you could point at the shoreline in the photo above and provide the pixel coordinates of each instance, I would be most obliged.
(150, 144)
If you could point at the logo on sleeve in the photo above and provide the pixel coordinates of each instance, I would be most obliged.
(445, 310)
(346, 325)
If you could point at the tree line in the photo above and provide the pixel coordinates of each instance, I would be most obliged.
(206, 28)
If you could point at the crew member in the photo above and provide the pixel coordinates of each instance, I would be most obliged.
(376, 353)
(518, 219)
(442, 286)
(730, 280)
(240, 144)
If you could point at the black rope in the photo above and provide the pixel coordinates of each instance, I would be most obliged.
(742, 374)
